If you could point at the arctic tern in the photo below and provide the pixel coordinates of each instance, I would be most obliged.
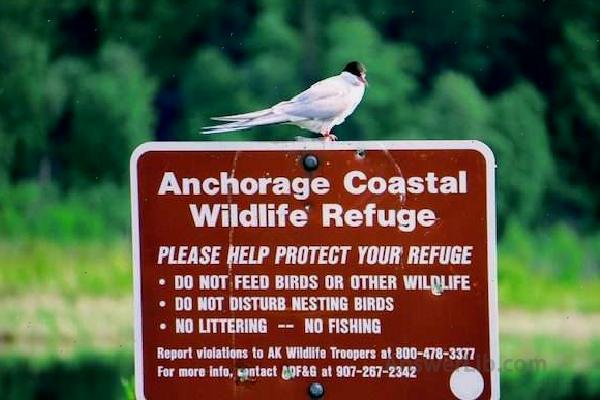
(318, 109)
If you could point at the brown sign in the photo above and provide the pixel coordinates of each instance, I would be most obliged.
(315, 270)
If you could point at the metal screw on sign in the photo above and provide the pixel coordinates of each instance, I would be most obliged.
(316, 390)
(310, 162)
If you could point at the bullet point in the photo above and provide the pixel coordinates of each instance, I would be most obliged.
(161, 281)
(162, 303)
(163, 326)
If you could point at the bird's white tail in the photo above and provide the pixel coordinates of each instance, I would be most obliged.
(243, 117)
(247, 121)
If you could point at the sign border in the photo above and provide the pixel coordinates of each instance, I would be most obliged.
(477, 145)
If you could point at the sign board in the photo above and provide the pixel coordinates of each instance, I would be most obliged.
(302, 270)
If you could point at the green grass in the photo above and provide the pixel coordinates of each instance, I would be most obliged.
(42, 325)
(535, 293)
(65, 316)
(68, 270)
(544, 367)
(527, 272)
(553, 268)
(520, 353)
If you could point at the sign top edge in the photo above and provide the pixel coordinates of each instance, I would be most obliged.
(476, 145)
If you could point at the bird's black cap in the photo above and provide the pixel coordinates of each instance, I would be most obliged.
(355, 68)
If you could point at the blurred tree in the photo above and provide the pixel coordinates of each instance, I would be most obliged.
(67, 89)
(112, 113)
(211, 86)
(167, 34)
(392, 70)
(450, 33)
(23, 116)
(64, 76)
(512, 124)
(273, 42)
(271, 74)
(577, 120)
(525, 164)
(37, 18)
(310, 40)
(455, 109)
(6, 154)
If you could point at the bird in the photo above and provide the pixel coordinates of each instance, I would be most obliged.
(318, 109)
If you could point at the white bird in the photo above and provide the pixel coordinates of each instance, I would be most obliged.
(318, 109)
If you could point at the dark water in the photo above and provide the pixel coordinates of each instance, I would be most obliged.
(87, 377)
(93, 377)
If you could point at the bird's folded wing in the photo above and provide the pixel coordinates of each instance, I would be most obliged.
(322, 109)
(325, 88)
(323, 100)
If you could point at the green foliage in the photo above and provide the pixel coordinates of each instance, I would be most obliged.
(456, 109)
(80, 76)
(454, 27)
(522, 150)
(64, 79)
(162, 32)
(69, 270)
(273, 42)
(30, 210)
(23, 117)
(512, 124)
(112, 113)
(6, 154)
(580, 56)
(210, 73)
(544, 269)
(395, 66)
(577, 58)
(128, 388)
(83, 82)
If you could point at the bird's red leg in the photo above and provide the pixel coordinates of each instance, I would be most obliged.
(332, 137)
(328, 136)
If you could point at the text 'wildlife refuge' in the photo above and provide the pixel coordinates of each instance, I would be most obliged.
(270, 215)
